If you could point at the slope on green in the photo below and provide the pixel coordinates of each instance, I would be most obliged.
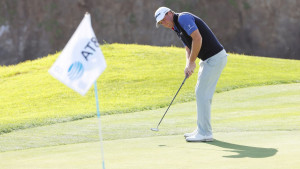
(137, 78)
(263, 108)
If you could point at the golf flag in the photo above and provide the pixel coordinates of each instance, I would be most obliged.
(81, 62)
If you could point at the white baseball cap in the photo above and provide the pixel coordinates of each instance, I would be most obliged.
(160, 14)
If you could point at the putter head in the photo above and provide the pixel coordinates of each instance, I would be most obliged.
(154, 129)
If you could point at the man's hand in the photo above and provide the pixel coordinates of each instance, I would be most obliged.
(189, 69)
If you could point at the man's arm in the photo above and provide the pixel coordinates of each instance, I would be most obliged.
(196, 46)
(187, 54)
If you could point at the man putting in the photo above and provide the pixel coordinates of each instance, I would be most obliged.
(199, 41)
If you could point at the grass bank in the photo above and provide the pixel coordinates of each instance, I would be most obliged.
(137, 78)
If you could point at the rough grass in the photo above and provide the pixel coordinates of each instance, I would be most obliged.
(137, 78)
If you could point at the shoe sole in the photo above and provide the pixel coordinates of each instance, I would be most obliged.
(187, 136)
(205, 140)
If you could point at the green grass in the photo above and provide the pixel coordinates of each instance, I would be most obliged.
(264, 108)
(137, 78)
(242, 150)
(255, 127)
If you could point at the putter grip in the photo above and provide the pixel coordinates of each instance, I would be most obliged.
(186, 76)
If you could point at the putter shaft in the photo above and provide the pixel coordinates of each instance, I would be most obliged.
(186, 76)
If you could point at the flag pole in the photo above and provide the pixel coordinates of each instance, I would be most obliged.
(100, 133)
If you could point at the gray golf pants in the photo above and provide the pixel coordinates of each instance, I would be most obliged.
(208, 76)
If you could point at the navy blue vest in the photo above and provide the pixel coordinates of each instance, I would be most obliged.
(210, 44)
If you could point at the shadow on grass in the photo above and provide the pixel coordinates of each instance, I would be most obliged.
(244, 151)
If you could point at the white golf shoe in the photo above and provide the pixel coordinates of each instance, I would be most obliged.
(199, 138)
(191, 134)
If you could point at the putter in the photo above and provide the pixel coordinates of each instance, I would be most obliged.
(156, 129)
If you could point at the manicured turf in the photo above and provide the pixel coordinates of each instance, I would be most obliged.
(137, 78)
(267, 108)
(243, 150)
(255, 127)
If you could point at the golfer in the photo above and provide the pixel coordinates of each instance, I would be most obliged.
(199, 42)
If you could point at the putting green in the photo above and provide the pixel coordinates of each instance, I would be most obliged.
(266, 149)
(265, 108)
(255, 127)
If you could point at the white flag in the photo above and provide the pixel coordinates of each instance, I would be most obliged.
(81, 62)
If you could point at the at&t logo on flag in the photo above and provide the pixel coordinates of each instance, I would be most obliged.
(75, 71)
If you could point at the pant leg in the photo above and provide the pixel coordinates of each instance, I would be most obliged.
(208, 76)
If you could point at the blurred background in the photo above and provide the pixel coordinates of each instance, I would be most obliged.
(31, 29)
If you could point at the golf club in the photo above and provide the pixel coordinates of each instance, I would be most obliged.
(156, 129)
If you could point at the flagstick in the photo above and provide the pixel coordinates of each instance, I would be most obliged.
(98, 115)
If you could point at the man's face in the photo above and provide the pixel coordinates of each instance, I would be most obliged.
(167, 22)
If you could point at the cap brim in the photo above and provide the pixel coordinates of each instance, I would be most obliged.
(162, 16)
(157, 24)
